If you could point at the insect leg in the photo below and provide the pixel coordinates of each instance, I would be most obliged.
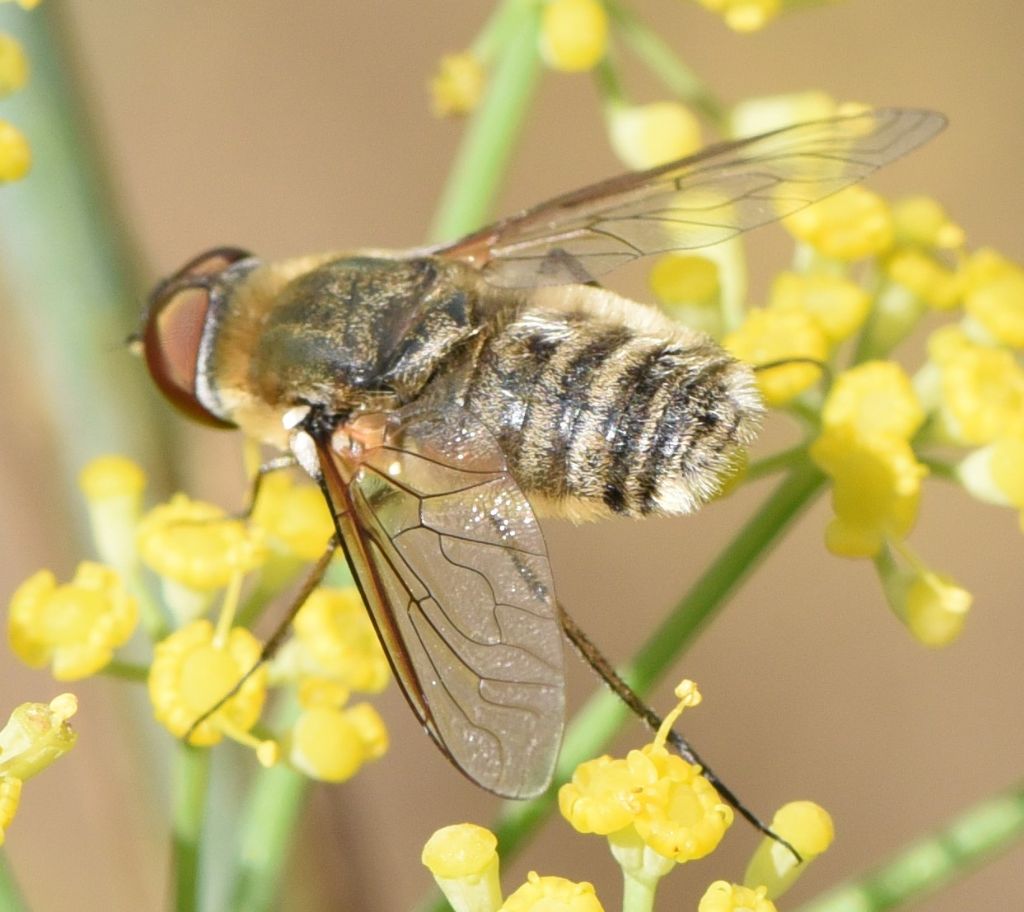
(605, 670)
(271, 465)
(274, 641)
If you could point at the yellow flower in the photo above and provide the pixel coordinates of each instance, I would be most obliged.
(458, 85)
(194, 544)
(552, 894)
(193, 669)
(464, 862)
(875, 397)
(931, 281)
(808, 828)
(722, 896)
(644, 136)
(682, 278)
(921, 221)
(573, 34)
(837, 305)
(331, 744)
(754, 116)
(15, 155)
(294, 516)
(767, 336)
(982, 393)
(10, 795)
(876, 488)
(932, 605)
(995, 298)
(744, 15)
(651, 794)
(113, 488)
(681, 815)
(35, 736)
(13, 66)
(335, 633)
(27, 4)
(75, 627)
(995, 473)
(849, 225)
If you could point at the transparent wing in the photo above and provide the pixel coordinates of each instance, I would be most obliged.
(453, 567)
(694, 202)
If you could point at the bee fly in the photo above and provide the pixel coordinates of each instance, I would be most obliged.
(444, 397)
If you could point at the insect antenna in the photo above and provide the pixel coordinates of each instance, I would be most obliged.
(274, 641)
(604, 669)
(825, 369)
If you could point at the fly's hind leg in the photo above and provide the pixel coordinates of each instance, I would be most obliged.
(606, 671)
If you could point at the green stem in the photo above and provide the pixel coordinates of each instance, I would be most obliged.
(268, 828)
(939, 468)
(481, 161)
(666, 64)
(68, 269)
(191, 780)
(126, 671)
(784, 459)
(603, 715)
(637, 894)
(928, 864)
(11, 899)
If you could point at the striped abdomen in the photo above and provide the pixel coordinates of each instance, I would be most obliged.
(601, 405)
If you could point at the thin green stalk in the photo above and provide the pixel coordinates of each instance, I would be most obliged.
(191, 781)
(666, 64)
(926, 865)
(11, 899)
(268, 829)
(67, 269)
(604, 714)
(769, 465)
(480, 164)
(126, 671)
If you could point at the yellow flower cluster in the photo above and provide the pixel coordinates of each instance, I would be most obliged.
(744, 15)
(15, 154)
(873, 427)
(207, 679)
(458, 85)
(35, 736)
(656, 810)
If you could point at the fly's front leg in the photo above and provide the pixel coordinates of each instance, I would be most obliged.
(313, 579)
(271, 465)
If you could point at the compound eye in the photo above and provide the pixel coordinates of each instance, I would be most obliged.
(173, 334)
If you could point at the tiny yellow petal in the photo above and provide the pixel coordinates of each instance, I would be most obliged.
(195, 545)
(10, 795)
(998, 305)
(875, 397)
(460, 850)
(332, 744)
(574, 34)
(722, 896)
(755, 116)
(602, 796)
(936, 609)
(74, 627)
(645, 136)
(849, 225)
(191, 673)
(15, 154)
(13, 66)
(458, 85)
(921, 221)
(838, 305)
(35, 736)
(808, 828)
(982, 394)
(744, 15)
(552, 894)
(294, 516)
(767, 336)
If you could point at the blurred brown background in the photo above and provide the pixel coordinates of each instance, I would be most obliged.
(289, 128)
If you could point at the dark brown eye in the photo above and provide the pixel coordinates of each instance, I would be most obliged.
(172, 338)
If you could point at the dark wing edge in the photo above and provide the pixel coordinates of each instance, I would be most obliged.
(453, 569)
(695, 202)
